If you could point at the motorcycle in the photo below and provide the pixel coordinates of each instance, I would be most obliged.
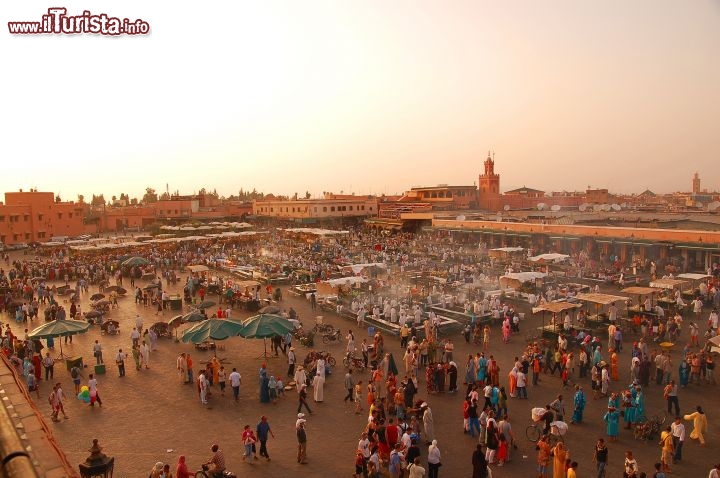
(205, 473)
(331, 337)
(314, 355)
(306, 339)
(351, 360)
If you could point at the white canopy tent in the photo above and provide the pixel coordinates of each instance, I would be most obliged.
(346, 281)
(693, 276)
(516, 279)
(550, 257)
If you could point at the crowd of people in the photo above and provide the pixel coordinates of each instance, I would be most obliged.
(399, 437)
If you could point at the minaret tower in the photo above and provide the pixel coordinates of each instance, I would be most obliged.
(489, 185)
(696, 184)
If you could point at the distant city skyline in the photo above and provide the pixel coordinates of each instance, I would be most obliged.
(366, 96)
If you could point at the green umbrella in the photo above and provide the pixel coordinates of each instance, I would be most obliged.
(206, 304)
(270, 309)
(135, 261)
(212, 329)
(194, 316)
(264, 326)
(59, 328)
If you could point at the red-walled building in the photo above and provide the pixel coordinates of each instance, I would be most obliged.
(177, 210)
(34, 216)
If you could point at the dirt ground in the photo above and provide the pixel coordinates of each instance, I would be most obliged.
(149, 416)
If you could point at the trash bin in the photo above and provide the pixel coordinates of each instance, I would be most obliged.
(75, 361)
(100, 369)
(371, 331)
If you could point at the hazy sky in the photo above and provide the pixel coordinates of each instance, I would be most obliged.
(366, 96)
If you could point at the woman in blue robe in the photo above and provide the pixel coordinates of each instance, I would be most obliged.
(639, 405)
(482, 369)
(684, 373)
(264, 385)
(597, 356)
(612, 417)
(629, 404)
(579, 405)
(470, 371)
(28, 367)
(494, 397)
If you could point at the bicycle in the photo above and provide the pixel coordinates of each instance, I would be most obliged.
(647, 429)
(536, 430)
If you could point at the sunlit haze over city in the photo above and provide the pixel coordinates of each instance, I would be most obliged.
(363, 97)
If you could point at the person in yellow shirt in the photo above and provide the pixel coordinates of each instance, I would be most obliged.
(699, 425)
(571, 470)
(666, 449)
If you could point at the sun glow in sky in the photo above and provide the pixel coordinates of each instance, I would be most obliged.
(363, 96)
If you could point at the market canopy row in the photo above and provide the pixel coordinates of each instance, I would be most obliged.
(597, 298)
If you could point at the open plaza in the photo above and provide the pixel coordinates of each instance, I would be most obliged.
(474, 315)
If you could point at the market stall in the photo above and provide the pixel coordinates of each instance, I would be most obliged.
(599, 319)
(638, 308)
(523, 281)
(554, 327)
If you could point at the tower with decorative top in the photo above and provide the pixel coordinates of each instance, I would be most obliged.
(489, 186)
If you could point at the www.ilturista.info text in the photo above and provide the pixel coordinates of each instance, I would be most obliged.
(58, 22)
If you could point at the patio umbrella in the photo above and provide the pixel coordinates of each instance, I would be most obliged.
(176, 321)
(193, 316)
(116, 288)
(264, 326)
(97, 296)
(150, 287)
(212, 329)
(59, 328)
(93, 314)
(270, 309)
(135, 261)
(206, 304)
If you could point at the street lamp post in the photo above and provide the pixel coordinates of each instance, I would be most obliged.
(98, 464)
